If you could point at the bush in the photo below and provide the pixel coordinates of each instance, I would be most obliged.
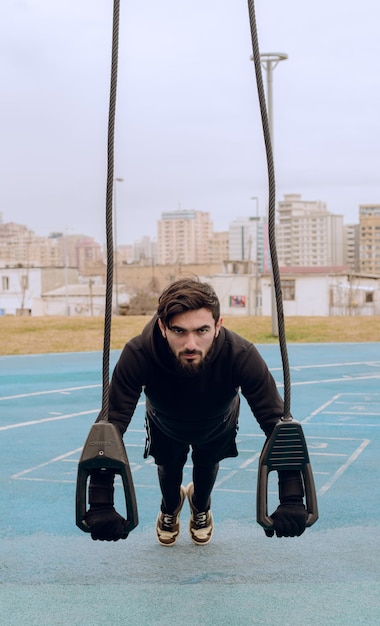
(141, 304)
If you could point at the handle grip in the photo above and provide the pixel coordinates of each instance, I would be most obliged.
(104, 449)
(285, 449)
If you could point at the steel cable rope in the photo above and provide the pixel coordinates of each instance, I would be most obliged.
(286, 448)
(104, 448)
(109, 209)
(271, 210)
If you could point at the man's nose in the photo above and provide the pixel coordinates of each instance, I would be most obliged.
(190, 343)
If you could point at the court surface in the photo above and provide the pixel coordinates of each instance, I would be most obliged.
(52, 573)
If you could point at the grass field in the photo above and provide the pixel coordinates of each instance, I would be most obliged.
(41, 335)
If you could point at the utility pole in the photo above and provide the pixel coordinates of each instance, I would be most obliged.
(269, 61)
(117, 180)
(257, 255)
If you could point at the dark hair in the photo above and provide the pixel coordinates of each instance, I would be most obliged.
(187, 294)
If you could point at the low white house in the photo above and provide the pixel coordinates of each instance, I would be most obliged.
(72, 300)
(305, 292)
(20, 286)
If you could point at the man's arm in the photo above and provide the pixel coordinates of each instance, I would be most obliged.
(260, 390)
(103, 520)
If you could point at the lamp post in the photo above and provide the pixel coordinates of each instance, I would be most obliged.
(269, 62)
(257, 254)
(117, 180)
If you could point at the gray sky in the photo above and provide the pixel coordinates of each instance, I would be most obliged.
(188, 128)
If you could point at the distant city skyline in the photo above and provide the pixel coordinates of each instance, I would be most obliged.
(188, 128)
(151, 228)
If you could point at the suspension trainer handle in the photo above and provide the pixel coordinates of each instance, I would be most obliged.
(104, 449)
(285, 449)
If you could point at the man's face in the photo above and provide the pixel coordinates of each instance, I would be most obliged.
(190, 336)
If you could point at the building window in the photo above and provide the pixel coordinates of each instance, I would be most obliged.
(24, 282)
(288, 289)
(369, 296)
(5, 283)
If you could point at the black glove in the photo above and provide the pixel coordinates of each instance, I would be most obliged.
(289, 519)
(104, 522)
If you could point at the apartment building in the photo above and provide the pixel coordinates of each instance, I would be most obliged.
(183, 237)
(369, 238)
(20, 246)
(218, 247)
(248, 241)
(351, 246)
(308, 235)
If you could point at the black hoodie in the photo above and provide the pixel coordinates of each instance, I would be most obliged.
(193, 408)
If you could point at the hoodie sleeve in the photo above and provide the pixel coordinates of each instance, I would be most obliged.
(126, 385)
(260, 390)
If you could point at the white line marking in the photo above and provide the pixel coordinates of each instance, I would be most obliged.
(343, 379)
(319, 409)
(325, 365)
(348, 413)
(46, 480)
(44, 393)
(343, 467)
(350, 424)
(327, 454)
(47, 419)
(252, 459)
(57, 458)
(225, 478)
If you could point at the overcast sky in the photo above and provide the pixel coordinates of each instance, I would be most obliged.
(188, 128)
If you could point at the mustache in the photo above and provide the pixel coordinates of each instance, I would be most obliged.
(185, 352)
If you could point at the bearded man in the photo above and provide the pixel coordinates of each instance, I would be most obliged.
(192, 371)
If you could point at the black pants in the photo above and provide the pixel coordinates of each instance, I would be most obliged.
(170, 456)
(170, 479)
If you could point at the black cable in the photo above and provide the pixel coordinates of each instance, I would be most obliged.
(271, 209)
(109, 210)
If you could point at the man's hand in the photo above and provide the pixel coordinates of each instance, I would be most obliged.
(289, 520)
(106, 524)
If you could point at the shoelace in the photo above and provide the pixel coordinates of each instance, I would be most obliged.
(168, 521)
(200, 519)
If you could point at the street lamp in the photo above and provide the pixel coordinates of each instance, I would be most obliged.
(257, 254)
(269, 62)
(117, 180)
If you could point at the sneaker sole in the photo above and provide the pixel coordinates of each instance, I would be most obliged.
(198, 542)
(174, 540)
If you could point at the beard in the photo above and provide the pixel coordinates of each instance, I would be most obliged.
(189, 368)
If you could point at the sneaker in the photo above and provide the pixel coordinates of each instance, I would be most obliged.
(201, 522)
(167, 526)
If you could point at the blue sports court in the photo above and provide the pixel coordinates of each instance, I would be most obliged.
(51, 573)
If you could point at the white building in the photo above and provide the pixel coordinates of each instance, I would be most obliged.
(20, 286)
(248, 241)
(319, 293)
(307, 235)
(75, 300)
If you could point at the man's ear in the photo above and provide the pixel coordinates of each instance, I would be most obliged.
(218, 325)
(162, 328)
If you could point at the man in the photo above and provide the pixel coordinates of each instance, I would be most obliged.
(191, 370)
